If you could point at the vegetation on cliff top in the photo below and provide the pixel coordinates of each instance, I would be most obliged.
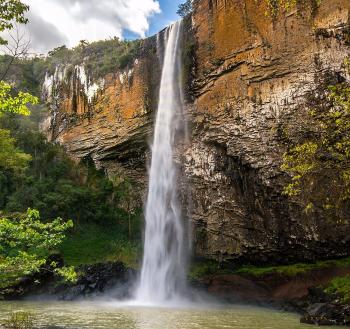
(99, 57)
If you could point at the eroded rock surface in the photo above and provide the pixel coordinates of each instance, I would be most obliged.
(251, 75)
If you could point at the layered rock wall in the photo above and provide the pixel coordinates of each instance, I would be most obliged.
(251, 74)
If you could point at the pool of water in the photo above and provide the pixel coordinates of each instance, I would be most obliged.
(104, 315)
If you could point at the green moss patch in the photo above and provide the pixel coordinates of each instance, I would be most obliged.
(202, 269)
(294, 269)
(92, 243)
(341, 286)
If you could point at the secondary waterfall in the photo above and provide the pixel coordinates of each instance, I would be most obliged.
(163, 273)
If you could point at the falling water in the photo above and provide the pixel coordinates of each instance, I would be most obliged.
(164, 263)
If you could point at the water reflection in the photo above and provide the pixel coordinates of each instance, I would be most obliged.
(120, 316)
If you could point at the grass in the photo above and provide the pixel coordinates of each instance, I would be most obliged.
(341, 286)
(294, 269)
(206, 268)
(92, 243)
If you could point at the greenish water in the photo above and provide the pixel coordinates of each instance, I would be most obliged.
(118, 316)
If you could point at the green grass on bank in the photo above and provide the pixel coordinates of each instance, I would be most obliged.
(294, 269)
(206, 268)
(92, 243)
(341, 286)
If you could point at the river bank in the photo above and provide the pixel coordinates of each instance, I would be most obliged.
(299, 288)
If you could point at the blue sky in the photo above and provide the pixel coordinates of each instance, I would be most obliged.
(159, 21)
(168, 15)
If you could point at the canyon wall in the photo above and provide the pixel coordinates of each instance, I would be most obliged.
(249, 74)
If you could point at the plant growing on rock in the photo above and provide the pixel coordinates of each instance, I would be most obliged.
(275, 6)
(319, 163)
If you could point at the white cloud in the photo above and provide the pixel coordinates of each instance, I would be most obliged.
(70, 21)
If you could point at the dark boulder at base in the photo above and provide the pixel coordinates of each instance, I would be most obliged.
(325, 309)
(111, 279)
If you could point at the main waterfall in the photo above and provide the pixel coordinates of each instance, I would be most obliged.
(163, 273)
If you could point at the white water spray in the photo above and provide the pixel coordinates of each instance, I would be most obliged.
(163, 273)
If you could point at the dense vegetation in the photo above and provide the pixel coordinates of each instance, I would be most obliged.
(25, 242)
(58, 187)
(100, 57)
(318, 158)
(40, 184)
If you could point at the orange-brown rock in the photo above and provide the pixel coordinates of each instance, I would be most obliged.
(251, 75)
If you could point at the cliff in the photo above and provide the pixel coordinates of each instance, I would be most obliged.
(250, 75)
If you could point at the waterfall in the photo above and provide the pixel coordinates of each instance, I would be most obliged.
(163, 273)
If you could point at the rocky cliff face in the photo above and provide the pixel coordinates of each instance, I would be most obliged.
(251, 75)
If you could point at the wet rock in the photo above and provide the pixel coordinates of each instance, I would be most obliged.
(327, 314)
(110, 278)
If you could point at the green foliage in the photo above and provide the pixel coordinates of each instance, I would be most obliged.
(19, 320)
(275, 6)
(202, 269)
(319, 163)
(11, 157)
(341, 286)
(107, 227)
(11, 11)
(14, 104)
(100, 57)
(185, 8)
(57, 186)
(294, 269)
(93, 243)
(26, 243)
(67, 273)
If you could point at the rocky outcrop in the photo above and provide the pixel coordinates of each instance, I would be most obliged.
(253, 75)
(250, 75)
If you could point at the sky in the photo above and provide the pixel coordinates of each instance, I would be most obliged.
(54, 23)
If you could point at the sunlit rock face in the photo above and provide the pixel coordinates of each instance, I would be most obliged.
(251, 75)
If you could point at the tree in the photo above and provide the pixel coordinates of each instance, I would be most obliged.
(11, 158)
(15, 104)
(25, 245)
(185, 8)
(319, 164)
(16, 48)
(11, 11)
